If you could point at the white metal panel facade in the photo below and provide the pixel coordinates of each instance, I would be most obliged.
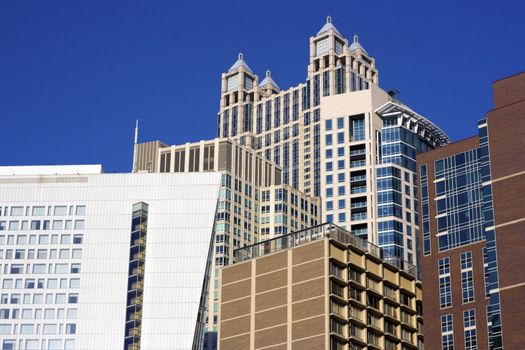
(180, 226)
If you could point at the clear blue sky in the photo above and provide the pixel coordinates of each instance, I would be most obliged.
(74, 75)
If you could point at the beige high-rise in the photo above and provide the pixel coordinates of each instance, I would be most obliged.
(337, 136)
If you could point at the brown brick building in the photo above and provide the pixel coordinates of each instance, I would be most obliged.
(472, 223)
(319, 288)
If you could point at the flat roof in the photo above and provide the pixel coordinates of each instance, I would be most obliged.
(83, 169)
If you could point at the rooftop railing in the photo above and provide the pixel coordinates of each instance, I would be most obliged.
(315, 233)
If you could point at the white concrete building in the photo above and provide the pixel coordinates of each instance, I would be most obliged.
(104, 261)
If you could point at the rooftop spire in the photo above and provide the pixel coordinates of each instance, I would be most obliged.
(328, 25)
(357, 46)
(268, 80)
(240, 63)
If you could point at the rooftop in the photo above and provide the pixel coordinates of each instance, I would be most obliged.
(422, 125)
(51, 170)
(315, 233)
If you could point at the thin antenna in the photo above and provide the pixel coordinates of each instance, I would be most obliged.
(136, 131)
(135, 141)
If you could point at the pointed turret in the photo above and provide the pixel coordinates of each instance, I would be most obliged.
(240, 63)
(357, 46)
(268, 82)
(328, 25)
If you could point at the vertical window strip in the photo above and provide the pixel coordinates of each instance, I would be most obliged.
(447, 332)
(469, 326)
(445, 292)
(467, 277)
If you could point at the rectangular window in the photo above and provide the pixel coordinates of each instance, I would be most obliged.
(467, 277)
(447, 333)
(445, 293)
(321, 47)
(469, 326)
(233, 83)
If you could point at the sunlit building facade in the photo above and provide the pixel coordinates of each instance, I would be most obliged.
(254, 204)
(473, 258)
(337, 136)
(97, 261)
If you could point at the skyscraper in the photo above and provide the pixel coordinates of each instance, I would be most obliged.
(473, 219)
(337, 136)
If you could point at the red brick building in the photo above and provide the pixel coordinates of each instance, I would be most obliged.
(472, 221)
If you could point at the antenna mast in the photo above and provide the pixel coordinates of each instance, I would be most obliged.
(135, 141)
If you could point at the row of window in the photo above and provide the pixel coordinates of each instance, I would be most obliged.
(39, 283)
(467, 280)
(37, 314)
(19, 254)
(36, 225)
(37, 344)
(59, 268)
(39, 298)
(469, 329)
(57, 210)
(41, 239)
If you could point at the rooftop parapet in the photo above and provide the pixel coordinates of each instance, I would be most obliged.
(315, 233)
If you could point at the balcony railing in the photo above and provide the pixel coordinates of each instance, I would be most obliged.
(358, 216)
(357, 178)
(315, 233)
(357, 163)
(356, 205)
(357, 152)
(360, 189)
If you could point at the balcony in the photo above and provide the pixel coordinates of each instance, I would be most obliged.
(138, 256)
(138, 271)
(358, 205)
(358, 216)
(373, 285)
(357, 178)
(357, 163)
(134, 332)
(357, 152)
(137, 285)
(358, 189)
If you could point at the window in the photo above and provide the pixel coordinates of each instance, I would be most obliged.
(321, 47)
(372, 301)
(469, 326)
(354, 275)
(80, 210)
(340, 122)
(232, 82)
(75, 268)
(71, 328)
(73, 298)
(447, 333)
(445, 293)
(17, 269)
(467, 277)
(27, 329)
